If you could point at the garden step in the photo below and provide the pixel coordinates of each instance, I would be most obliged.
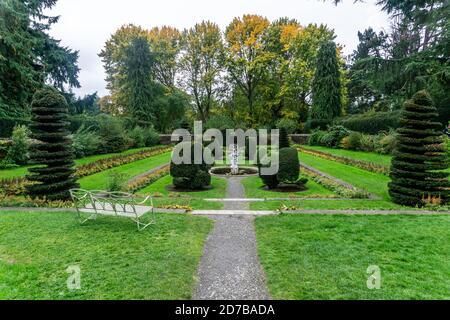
(233, 213)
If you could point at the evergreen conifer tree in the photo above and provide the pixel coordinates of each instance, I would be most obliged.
(419, 156)
(326, 86)
(53, 176)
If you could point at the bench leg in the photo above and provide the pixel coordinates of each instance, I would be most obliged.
(82, 220)
(141, 226)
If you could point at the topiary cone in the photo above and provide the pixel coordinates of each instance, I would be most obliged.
(420, 155)
(52, 153)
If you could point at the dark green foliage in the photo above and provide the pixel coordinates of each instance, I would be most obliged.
(334, 136)
(190, 176)
(29, 56)
(316, 124)
(291, 126)
(151, 137)
(326, 87)
(7, 125)
(53, 153)
(85, 142)
(112, 135)
(138, 137)
(18, 151)
(419, 155)
(284, 139)
(289, 165)
(371, 122)
(271, 181)
(138, 65)
(315, 138)
(288, 172)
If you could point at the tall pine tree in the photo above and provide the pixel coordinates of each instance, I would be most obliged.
(29, 56)
(419, 156)
(53, 176)
(326, 86)
(139, 84)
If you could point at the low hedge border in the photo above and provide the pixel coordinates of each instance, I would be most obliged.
(368, 166)
(336, 187)
(147, 179)
(115, 161)
(16, 186)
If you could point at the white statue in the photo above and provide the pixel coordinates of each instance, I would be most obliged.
(234, 157)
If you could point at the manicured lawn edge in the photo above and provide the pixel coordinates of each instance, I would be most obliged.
(327, 257)
(365, 165)
(116, 261)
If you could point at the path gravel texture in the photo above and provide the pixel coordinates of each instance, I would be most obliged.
(230, 268)
(235, 190)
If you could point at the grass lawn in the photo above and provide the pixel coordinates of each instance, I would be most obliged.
(254, 189)
(329, 204)
(193, 199)
(22, 171)
(326, 257)
(372, 182)
(377, 158)
(116, 261)
(99, 181)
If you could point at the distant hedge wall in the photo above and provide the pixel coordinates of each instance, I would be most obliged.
(76, 121)
(371, 123)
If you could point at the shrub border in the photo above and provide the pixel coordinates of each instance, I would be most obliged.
(365, 165)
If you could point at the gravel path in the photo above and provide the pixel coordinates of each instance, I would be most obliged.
(230, 269)
(235, 190)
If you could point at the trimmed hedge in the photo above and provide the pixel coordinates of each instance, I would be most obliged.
(288, 172)
(419, 157)
(371, 122)
(190, 176)
(289, 165)
(53, 152)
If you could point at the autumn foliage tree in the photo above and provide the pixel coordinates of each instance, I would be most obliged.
(201, 65)
(54, 174)
(246, 59)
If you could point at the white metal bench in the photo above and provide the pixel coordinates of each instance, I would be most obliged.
(119, 204)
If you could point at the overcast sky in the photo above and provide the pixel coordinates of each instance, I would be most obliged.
(85, 25)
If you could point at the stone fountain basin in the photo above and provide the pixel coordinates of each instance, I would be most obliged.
(226, 171)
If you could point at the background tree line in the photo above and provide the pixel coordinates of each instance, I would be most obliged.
(255, 73)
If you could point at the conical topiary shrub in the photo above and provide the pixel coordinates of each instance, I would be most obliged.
(52, 153)
(284, 139)
(419, 155)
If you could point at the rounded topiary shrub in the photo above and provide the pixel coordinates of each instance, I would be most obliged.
(271, 181)
(190, 175)
(53, 176)
(419, 156)
(289, 169)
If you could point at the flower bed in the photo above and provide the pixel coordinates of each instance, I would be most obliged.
(147, 179)
(369, 166)
(108, 163)
(16, 186)
(334, 186)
